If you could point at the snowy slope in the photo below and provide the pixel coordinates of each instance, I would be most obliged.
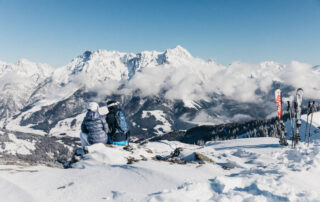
(260, 170)
(94, 66)
(306, 129)
(201, 92)
(163, 125)
(94, 69)
(17, 83)
(101, 71)
(26, 68)
(255, 169)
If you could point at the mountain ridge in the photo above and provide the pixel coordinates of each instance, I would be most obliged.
(152, 86)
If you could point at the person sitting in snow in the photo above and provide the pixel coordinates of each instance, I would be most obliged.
(119, 129)
(94, 128)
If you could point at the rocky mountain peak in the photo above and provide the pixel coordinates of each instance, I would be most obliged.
(178, 51)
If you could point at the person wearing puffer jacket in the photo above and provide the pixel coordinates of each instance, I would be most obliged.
(94, 128)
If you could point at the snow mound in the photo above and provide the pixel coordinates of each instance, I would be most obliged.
(100, 154)
(255, 169)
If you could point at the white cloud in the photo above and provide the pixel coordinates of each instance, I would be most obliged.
(301, 75)
(198, 80)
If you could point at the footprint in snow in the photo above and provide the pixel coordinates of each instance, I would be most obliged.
(244, 154)
(65, 186)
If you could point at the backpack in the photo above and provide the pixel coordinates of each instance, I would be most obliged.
(120, 122)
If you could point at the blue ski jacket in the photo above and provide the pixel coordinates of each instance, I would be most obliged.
(96, 127)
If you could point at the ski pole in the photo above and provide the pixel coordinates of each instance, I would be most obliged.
(308, 111)
(288, 109)
(295, 116)
(312, 106)
(292, 125)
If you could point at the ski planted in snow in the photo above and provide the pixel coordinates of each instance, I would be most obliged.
(297, 107)
(278, 98)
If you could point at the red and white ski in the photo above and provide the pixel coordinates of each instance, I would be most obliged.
(278, 98)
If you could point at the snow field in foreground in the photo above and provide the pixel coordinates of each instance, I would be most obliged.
(260, 170)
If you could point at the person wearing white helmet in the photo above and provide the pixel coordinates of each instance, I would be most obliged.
(94, 128)
(92, 106)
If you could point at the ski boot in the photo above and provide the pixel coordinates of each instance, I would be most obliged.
(283, 141)
(77, 156)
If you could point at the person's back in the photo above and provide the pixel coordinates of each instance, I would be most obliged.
(95, 126)
(119, 130)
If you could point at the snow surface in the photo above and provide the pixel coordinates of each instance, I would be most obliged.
(261, 170)
(258, 169)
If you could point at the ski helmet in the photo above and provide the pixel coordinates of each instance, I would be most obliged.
(93, 106)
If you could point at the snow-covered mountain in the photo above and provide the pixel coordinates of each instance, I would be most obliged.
(17, 83)
(96, 67)
(105, 70)
(160, 91)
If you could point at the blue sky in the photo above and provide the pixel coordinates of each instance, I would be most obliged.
(55, 31)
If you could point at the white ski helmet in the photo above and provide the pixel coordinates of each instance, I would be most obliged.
(93, 106)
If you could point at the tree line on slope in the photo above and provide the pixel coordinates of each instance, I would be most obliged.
(254, 128)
